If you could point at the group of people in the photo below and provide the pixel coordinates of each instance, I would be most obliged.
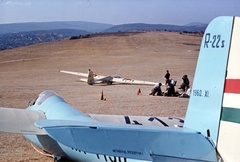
(170, 87)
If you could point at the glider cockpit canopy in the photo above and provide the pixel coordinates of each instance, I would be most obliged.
(43, 96)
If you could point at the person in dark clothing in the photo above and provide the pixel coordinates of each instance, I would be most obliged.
(185, 85)
(167, 77)
(170, 90)
(157, 89)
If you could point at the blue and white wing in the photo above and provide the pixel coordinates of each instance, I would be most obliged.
(139, 120)
(151, 143)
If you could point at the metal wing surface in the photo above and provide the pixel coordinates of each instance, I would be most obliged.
(130, 141)
(20, 121)
(139, 120)
(132, 81)
(75, 73)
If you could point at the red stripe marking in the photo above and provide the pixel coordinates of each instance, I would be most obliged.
(232, 86)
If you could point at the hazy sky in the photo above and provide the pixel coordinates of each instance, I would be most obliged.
(178, 12)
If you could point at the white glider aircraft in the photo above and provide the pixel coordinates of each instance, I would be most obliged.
(209, 133)
(92, 78)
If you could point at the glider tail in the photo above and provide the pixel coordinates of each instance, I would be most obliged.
(214, 109)
(90, 79)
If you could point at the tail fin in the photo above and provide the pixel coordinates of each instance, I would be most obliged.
(90, 79)
(213, 108)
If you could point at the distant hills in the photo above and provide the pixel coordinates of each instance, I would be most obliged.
(22, 34)
(156, 27)
(35, 26)
(14, 40)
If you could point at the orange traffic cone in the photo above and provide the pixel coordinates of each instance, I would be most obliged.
(139, 92)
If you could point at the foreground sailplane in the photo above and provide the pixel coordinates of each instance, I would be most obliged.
(92, 78)
(210, 131)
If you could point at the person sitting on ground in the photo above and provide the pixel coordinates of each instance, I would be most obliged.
(185, 85)
(170, 90)
(173, 82)
(186, 94)
(156, 89)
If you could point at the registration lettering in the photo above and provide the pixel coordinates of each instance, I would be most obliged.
(213, 41)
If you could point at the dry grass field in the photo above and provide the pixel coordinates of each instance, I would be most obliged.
(27, 71)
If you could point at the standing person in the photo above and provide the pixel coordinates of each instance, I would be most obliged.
(167, 77)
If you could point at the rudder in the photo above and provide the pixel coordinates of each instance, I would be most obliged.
(90, 79)
(204, 108)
